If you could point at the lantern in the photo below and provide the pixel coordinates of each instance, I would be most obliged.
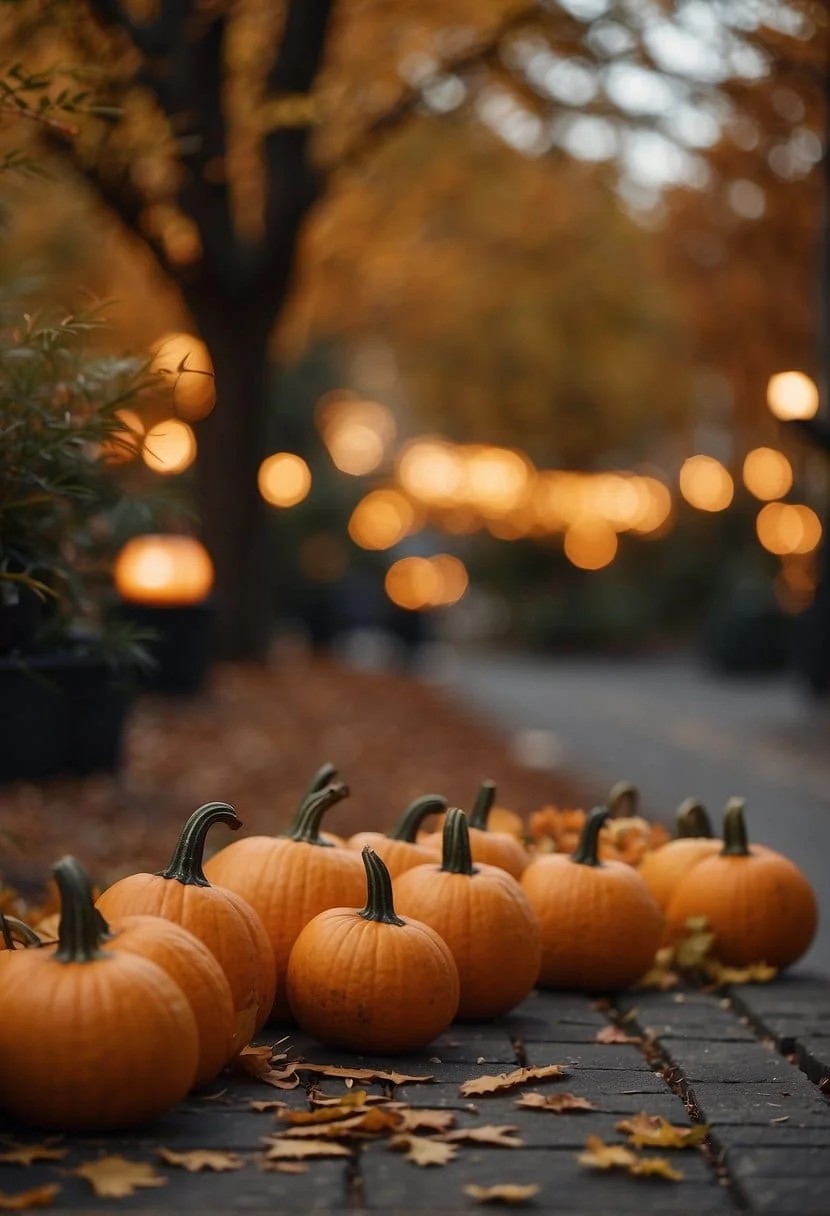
(163, 570)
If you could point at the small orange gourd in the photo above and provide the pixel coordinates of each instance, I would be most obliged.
(90, 1039)
(663, 868)
(368, 980)
(600, 924)
(290, 879)
(757, 902)
(398, 849)
(494, 848)
(484, 917)
(223, 922)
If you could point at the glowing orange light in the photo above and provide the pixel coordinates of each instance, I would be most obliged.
(452, 576)
(357, 433)
(767, 473)
(413, 583)
(431, 471)
(615, 498)
(163, 570)
(792, 395)
(381, 519)
(706, 484)
(184, 360)
(496, 480)
(590, 545)
(786, 528)
(284, 479)
(655, 505)
(123, 444)
(169, 447)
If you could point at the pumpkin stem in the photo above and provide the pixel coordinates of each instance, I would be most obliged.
(324, 776)
(735, 839)
(79, 932)
(456, 857)
(623, 800)
(379, 905)
(14, 931)
(306, 825)
(693, 820)
(483, 804)
(188, 855)
(586, 852)
(406, 828)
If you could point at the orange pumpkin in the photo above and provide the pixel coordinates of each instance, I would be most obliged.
(663, 869)
(223, 922)
(90, 1039)
(398, 849)
(367, 980)
(493, 848)
(600, 924)
(289, 879)
(758, 904)
(484, 917)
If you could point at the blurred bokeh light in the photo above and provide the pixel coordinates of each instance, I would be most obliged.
(284, 479)
(169, 447)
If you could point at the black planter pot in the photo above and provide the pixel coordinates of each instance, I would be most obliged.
(60, 713)
(181, 648)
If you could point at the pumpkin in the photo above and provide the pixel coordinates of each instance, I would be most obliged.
(758, 904)
(663, 869)
(14, 932)
(494, 848)
(90, 1039)
(600, 924)
(484, 917)
(223, 922)
(398, 849)
(368, 980)
(289, 879)
(197, 972)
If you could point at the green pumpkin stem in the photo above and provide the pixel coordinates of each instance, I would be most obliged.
(324, 776)
(306, 825)
(456, 857)
(79, 932)
(693, 820)
(15, 931)
(586, 852)
(5, 929)
(623, 800)
(406, 828)
(379, 905)
(189, 853)
(735, 839)
(482, 806)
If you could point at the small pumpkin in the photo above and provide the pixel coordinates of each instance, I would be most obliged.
(493, 848)
(484, 917)
(368, 980)
(289, 879)
(663, 868)
(398, 849)
(600, 924)
(223, 922)
(90, 1039)
(758, 904)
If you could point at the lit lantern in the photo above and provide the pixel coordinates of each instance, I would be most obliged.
(163, 571)
(767, 473)
(169, 447)
(284, 479)
(706, 484)
(792, 395)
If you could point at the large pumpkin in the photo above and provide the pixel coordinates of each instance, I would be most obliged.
(90, 1039)
(663, 868)
(398, 849)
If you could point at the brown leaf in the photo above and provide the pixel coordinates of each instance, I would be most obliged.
(25, 1154)
(115, 1177)
(652, 1131)
(422, 1151)
(267, 1105)
(614, 1034)
(559, 1104)
(356, 1097)
(258, 1062)
(35, 1197)
(506, 1192)
(326, 1113)
(369, 1122)
(508, 1080)
(498, 1135)
(202, 1159)
(280, 1149)
(284, 1167)
(359, 1074)
(412, 1120)
(601, 1156)
(657, 1167)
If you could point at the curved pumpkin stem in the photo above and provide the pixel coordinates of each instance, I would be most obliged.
(623, 800)
(379, 905)
(456, 857)
(306, 825)
(189, 853)
(693, 820)
(324, 776)
(79, 932)
(735, 839)
(586, 852)
(16, 931)
(406, 828)
(482, 806)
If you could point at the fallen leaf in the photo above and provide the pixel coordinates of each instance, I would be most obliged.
(601, 1156)
(36, 1197)
(356, 1097)
(258, 1062)
(615, 1034)
(359, 1074)
(115, 1177)
(217, 1097)
(508, 1080)
(652, 1131)
(267, 1105)
(202, 1159)
(506, 1192)
(662, 975)
(284, 1167)
(559, 1104)
(422, 1151)
(780, 1119)
(280, 1149)
(692, 951)
(412, 1120)
(25, 1154)
(655, 1167)
(326, 1113)
(369, 1122)
(755, 973)
(497, 1135)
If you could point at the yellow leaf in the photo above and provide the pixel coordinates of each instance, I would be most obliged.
(754, 973)
(500, 1136)
(422, 1151)
(559, 1104)
(601, 1156)
(115, 1177)
(694, 948)
(36, 1197)
(372, 1121)
(202, 1159)
(280, 1149)
(508, 1080)
(655, 1167)
(359, 1074)
(506, 1192)
(25, 1154)
(652, 1131)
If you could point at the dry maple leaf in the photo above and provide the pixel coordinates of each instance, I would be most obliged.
(202, 1159)
(498, 1135)
(284, 1167)
(36, 1197)
(25, 1154)
(754, 973)
(258, 1062)
(412, 1120)
(280, 1149)
(614, 1034)
(327, 1113)
(371, 1122)
(506, 1192)
(602, 1156)
(359, 1074)
(509, 1080)
(558, 1104)
(652, 1131)
(422, 1151)
(115, 1177)
(655, 1167)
